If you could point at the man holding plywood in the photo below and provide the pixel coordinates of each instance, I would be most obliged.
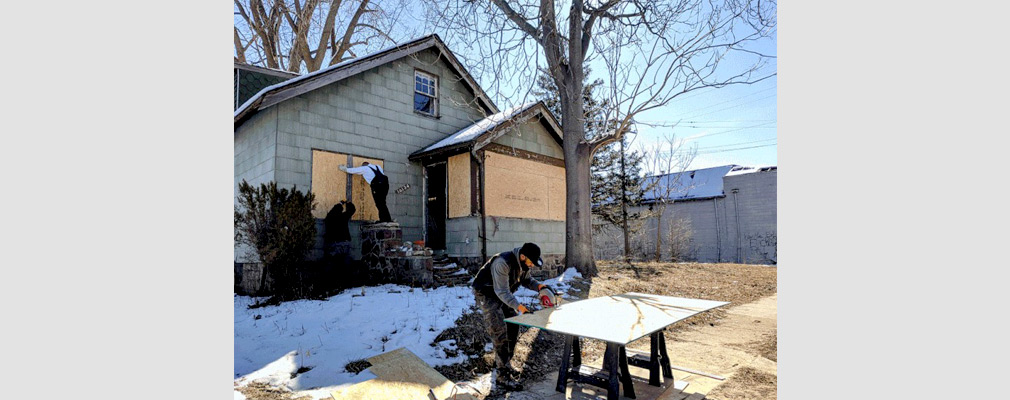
(379, 183)
(493, 287)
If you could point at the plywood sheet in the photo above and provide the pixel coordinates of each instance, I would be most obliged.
(361, 192)
(400, 374)
(329, 184)
(523, 188)
(459, 185)
(619, 318)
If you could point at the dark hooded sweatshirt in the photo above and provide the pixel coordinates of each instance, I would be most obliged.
(502, 275)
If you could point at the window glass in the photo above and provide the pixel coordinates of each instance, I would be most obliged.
(425, 93)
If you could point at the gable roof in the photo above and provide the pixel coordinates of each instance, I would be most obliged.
(274, 94)
(264, 70)
(482, 132)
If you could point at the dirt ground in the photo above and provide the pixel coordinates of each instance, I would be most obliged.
(737, 341)
(722, 341)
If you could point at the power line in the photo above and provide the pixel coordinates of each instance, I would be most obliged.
(735, 99)
(725, 121)
(738, 105)
(727, 131)
(735, 144)
(742, 148)
(692, 126)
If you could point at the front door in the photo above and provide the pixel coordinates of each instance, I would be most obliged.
(436, 207)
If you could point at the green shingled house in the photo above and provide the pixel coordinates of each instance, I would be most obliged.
(466, 177)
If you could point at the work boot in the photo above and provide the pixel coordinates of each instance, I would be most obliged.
(506, 380)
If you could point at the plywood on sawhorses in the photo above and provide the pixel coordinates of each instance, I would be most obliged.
(401, 375)
(621, 318)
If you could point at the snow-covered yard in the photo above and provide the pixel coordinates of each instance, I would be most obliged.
(319, 337)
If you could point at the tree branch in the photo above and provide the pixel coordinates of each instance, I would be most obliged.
(520, 20)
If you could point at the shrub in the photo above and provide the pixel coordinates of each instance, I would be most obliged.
(278, 223)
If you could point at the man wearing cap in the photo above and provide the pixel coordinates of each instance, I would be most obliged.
(493, 287)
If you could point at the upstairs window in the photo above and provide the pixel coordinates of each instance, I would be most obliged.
(425, 93)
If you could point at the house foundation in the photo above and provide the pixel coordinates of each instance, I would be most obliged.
(388, 259)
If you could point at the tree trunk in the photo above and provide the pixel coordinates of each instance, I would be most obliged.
(624, 207)
(578, 225)
(659, 233)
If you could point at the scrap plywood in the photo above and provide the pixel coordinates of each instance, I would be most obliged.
(400, 374)
(621, 318)
(459, 185)
(361, 192)
(328, 182)
(523, 188)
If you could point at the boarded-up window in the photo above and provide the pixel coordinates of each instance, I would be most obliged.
(330, 185)
(524, 189)
(459, 185)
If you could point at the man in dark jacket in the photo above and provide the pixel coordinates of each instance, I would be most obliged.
(493, 288)
(337, 237)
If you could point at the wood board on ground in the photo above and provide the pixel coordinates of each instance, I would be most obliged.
(400, 374)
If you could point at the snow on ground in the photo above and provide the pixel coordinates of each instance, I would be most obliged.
(272, 343)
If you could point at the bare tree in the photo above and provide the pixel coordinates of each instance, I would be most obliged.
(667, 163)
(307, 35)
(652, 51)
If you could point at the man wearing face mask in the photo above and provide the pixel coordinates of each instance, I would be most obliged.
(493, 288)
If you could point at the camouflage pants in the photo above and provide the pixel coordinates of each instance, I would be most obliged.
(503, 335)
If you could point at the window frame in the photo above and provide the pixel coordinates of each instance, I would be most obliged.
(434, 85)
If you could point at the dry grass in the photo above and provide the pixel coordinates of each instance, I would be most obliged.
(769, 347)
(263, 391)
(538, 352)
(746, 384)
(735, 283)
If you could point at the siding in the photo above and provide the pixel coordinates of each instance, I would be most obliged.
(370, 115)
(533, 137)
(255, 150)
(504, 234)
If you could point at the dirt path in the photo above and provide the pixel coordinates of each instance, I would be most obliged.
(741, 347)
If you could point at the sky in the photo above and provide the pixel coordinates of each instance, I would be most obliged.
(273, 342)
(735, 124)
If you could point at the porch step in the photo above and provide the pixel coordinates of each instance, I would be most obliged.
(449, 274)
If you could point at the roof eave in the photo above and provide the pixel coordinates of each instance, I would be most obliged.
(305, 83)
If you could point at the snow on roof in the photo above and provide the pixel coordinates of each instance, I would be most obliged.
(473, 131)
(739, 170)
(695, 184)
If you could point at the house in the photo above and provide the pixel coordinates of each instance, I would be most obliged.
(720, 214)
(250, 79)
(467, 178)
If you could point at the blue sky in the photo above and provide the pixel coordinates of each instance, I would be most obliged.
(735, 124)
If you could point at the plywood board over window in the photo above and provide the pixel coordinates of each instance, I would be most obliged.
(523, 188)
(361, 192)
(459, 185)
(329, 184)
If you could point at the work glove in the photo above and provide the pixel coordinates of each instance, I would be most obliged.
(522, 309)
(342, 168)
(547, 296)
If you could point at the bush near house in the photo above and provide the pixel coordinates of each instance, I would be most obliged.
(278, 223)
